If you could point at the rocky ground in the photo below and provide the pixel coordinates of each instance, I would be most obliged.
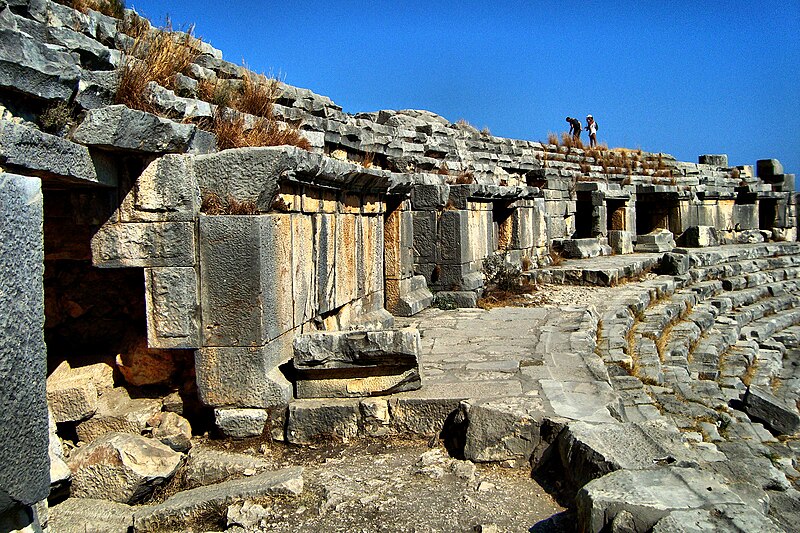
(368, 485)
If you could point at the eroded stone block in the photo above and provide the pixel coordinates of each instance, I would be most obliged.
(173, 307)
(144, 244)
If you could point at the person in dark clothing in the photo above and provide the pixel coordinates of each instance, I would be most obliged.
(574, 128)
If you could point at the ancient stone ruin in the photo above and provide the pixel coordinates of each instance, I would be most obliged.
(167, 300)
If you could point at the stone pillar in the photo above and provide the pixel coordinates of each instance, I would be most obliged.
(25, 472)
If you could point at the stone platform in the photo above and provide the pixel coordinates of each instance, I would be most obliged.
(607, 270)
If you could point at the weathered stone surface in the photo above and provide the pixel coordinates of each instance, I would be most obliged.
(206, 466)
(117, 412)
(241, 423)
(360, 383)
(353, 349)
(763, 405)
(429, 196)
(649, 495)
(621, 242)
(78, 515)
(165, 191)
(52, 157)
(660, 240)
(674, 264)
(211, 502)
(717, 160)
(23, 418)
(72, 392)
(60, 473)
(767, 168)
(118, 127)
(699, 237)
(310, 420)
(502, 429)
(589, 450)
(121, 467)
(173, 430)
(246, 294)
(30, 66)
(146, 244)
(720, 518)
(244, 376)
(581, 248)
(173, 307)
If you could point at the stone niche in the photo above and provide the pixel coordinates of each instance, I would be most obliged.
(238, 288)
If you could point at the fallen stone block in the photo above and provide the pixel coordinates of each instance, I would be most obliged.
(205, 466)
(60, 474)
(581, 248)
(121, 128)
(660, 240)
(173, 430)
(455, 299)
(241, 423)
(502, 429)
(763, 405)
(72, 393)
(674, 264)
(141, 365)
(356, 363)
(117, 412)
(206, 504)
(121, 467)
(79, 515)
(621, 242)
(767, 168)
(717, 160)
(649, 496)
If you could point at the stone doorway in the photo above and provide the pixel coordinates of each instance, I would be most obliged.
(616, 214)
(583, 216)
(657, 211)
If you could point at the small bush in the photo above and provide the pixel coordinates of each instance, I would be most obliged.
(154, 56)
(501, 274)
(56, 118)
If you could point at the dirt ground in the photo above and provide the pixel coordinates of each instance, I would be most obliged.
(403, 486)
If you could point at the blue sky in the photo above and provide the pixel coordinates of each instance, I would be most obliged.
(678, 77)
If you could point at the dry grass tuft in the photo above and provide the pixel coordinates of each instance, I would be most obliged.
(134, 25)
(213, 204)
(571, 142)
(232, 131)
(112, 8)
(444, 170)
(465, 177)
(217, 92)
(257, 96)
(552, 138)
(369, 160)
(154, 57)
(556, 258)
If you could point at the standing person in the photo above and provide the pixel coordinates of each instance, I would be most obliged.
(575, 128)
(591, 127)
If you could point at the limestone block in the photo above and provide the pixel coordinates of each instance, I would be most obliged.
(408, 296)
(777, 414)
(429, 196)
(454, 232)
(522, 229)
(244, 376)
(581, 248)
(52, 156)
(165, 191)
(173, 307)
(206, 466)
(370, 256)
(30, 66)
(398, 243)
(72, 392)
(246, 278)
(674, 264)
(720, 518)
(502, 429)
(118, 412)
(60, 474)
(119, 127)
(621, 242)
(649, 495)
(347, 242)
(784, 234)
(200, 502)
(121, 467)
(425, 242)
(456, 299)
(312, 420)
(325, 263)
(304, 282)
(144, 244)
(767, 168)
(699, 237)
(241, 423)
(717, 160)
(660, 240)
(173, 430)
(481, 240)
